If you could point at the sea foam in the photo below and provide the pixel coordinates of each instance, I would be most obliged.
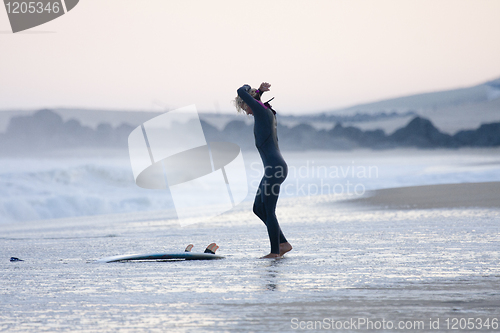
(32, 189)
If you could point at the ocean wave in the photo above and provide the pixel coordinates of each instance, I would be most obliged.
(37, 189)
(34, 189)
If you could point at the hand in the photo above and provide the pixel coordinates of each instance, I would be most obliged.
(264, 86)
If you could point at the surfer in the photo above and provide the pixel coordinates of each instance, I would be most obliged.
(275, 168)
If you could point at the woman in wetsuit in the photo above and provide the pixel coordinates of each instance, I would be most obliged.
(275, 168)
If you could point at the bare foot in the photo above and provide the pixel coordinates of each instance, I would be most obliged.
(271, 256)
(285, 247)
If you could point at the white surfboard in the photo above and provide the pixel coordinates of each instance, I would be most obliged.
(187, 255)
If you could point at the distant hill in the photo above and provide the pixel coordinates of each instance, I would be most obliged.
(450, 110)
(46, 131)
(86, 117)
(484, 92)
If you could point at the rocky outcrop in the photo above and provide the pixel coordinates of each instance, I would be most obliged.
(45, 130)
(421, 133)
(487, 135)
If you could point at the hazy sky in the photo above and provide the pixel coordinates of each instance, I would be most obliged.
(318, 55)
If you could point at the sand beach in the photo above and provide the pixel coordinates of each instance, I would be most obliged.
(419, 249)
(352, 264)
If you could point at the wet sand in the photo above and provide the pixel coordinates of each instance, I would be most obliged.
(350, 264)
(467, 195)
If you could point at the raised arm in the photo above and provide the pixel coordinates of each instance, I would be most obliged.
(264, 86)
(244, 93)
(263, 123)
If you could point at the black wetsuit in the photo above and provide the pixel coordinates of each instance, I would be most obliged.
(275, 168)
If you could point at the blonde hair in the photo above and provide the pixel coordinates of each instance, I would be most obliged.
(239, 103)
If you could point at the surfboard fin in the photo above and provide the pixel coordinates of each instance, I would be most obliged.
(211, 248)
(188, 248)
